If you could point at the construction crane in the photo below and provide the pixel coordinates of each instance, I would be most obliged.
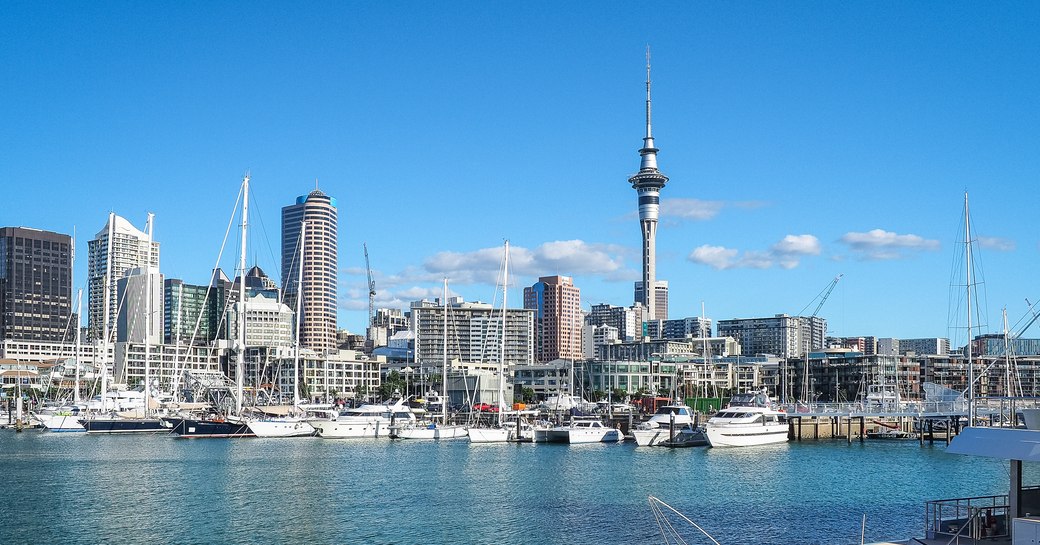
(822, 296)
(830, 288)
(371, 288)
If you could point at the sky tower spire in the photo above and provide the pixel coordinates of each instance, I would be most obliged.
(653, 294)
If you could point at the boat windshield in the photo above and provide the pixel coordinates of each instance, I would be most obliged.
(672, 410)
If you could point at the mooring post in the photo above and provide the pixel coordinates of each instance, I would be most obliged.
(848, 429)
(949, 431)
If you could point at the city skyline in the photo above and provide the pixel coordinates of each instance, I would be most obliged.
(801, 142)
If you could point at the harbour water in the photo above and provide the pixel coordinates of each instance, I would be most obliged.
(75, 488)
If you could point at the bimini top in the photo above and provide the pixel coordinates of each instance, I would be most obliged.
(1004, 443)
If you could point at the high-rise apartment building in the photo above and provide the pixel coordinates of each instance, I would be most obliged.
(627, 320)
(930, 345)
(36, 285)
(781, 335)
(116, 249)
(140, 317)
(648, 183)
(192, 314)
(474, 333)
(556, 302)
(315, 215)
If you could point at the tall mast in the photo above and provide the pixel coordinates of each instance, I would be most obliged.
(79, 310)
(444, 363)
(108, 305)
(968, 283)
(240, 363)
(299, 308)
(502, 359)
(148, 320)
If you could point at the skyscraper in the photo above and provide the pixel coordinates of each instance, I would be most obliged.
(648, 183)
(108, 262)
(35, 285)
(556, 302)
(320, 266)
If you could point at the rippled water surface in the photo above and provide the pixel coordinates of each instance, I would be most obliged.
(75, 488)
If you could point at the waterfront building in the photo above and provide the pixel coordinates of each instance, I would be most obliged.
(320, 266)
(655, 377)
(887, 346)
(328, 375)
(643, 350)
(36, 302)
(865, 345)
(994, 345)
(167, 364)
(780, 335)
(474, 333)
(629, 321)
(681, 328)
(386, 323)
(192, 313)
(717, 347)
(929, 345)
(140, 292)
(840, 375)
(544, 379)
(721, 376)
(556, 303)
(593, 336)
(648, 182)
(113, 251)
(269, 324)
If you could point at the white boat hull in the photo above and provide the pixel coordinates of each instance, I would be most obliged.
(488, 435)
(649, 438)
(281, 428)
(737, 435)
(579, 436)
(340, 429)
(439, 432)
(61, 423)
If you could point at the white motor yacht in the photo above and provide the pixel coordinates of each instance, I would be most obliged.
(748, 420)
(584, 431)
(282, 426)
(656, 429)
(428, 430)
(365, 421)
(62, 419)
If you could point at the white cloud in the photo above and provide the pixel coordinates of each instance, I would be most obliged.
(483, 266)
(997, 243)
(716, 257)
(786, 253)
(690, 209)
(879, 244)
(700, 210)
(797, 245)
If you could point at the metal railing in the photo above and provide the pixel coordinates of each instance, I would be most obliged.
(975, 518)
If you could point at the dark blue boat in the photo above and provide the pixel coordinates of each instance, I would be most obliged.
(192, 428)
(123, 425)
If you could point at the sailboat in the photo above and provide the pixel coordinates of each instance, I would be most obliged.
(135, 421)
(66, 418)
(436, 430)
(292, 425)
(228, 425)
(498, 434)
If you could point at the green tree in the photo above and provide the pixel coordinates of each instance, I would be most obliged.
(526, 395)
(619, 394)
(394, 382)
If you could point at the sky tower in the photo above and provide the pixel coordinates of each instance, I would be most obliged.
(648, 183)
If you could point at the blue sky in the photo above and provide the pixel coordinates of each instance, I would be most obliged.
(802, 140)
